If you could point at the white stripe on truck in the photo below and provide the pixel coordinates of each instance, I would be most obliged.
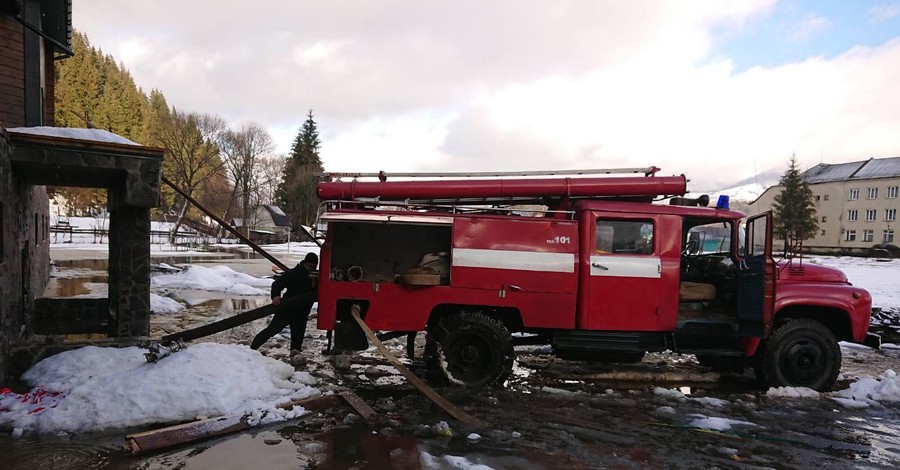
(516, 260)
(625, 266)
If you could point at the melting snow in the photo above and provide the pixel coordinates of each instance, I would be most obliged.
(93, 388)
(160, 304)
(792, 392)
(868, 391)
(218, 278)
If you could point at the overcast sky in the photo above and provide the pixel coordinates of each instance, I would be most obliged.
(716, 90)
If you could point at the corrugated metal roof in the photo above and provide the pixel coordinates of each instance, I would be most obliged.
(861, 170)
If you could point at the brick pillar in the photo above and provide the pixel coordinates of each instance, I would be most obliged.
(129, 267)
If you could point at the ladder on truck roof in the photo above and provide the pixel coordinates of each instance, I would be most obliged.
(553, 189)
(382, 176)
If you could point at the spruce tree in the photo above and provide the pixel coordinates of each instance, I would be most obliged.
(795, 212)
(297, 191)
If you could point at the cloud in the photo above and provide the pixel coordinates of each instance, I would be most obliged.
(513, 84)
(810, 26)
(884, 12)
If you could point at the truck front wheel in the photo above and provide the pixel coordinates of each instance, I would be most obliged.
(469, 349)
(801, 353)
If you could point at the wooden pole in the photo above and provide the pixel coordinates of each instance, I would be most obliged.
(226, 225)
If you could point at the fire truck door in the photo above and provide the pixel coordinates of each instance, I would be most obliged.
(625, 273)
(756, 277)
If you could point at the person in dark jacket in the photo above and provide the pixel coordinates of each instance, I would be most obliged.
(294, 305)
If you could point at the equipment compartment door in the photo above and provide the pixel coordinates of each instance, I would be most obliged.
(625, 274)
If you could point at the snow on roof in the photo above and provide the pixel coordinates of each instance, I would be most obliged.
(861, 170)
(278, 216)
(96, 135)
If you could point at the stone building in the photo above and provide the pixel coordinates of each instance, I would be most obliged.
(856, 205)
(33, 33)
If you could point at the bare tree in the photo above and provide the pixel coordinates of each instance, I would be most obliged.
(243, 151)
(267, 178)
(192, 151)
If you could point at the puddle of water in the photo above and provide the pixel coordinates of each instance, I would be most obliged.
(65, 287)
(54, 453)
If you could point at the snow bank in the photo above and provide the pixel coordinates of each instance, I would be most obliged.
(217, 278)
(160, 304)
(92, 388)
(869, 391)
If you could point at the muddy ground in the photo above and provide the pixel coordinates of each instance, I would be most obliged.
(551, 414)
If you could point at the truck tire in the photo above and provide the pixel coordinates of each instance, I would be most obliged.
(801, 353)
(469, 349)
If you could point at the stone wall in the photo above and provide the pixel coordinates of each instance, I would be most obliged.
(24, 254)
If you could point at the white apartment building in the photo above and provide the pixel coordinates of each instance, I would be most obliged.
(856, 204)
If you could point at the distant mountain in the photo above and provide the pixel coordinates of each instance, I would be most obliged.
(748, 189)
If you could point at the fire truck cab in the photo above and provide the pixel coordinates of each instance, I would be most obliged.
(598, 271)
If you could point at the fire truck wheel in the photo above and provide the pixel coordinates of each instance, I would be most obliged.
(469, 349)
(801, 353)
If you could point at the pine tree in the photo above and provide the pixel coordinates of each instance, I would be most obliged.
(297, 191)
(795, 212)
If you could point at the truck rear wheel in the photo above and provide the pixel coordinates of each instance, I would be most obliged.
(801, 353)
(469, 349)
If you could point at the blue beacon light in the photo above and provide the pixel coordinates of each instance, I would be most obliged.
(722, 203)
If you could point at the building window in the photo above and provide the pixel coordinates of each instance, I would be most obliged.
(868, 235)
(824, 218)
(826, 197)
(854, 195)
(892, 192)
(852, 215)
(37, 232)
(890, 215)
(873, 193)
(889, 236)
(850, 236)
(871, 214)
(823, 233)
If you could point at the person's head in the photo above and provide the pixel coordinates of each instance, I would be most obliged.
(310, 261)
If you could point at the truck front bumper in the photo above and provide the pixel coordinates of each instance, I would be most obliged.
(872, 340)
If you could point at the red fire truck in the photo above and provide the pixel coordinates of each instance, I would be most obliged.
(595, 266)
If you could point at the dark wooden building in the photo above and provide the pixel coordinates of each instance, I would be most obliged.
(33, 35)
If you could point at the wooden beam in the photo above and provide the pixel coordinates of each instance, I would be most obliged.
(184, 433)
(413, 379)
(222, 325)
(359, 406)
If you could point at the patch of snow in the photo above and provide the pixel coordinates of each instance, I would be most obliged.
(161, 304)
(665, 410)
(717, 424)
(557, 391)
(792, 392)
(669, 393)
(473, 436)
(710, 401)
(883, 389)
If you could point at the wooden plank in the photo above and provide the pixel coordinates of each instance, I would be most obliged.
(184, 433)
(317, 403)
(222, 325)
(413, 379)
(359, 406)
